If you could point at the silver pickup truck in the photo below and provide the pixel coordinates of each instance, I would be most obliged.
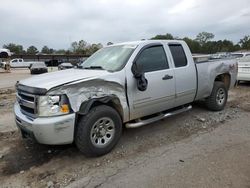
(128, 84)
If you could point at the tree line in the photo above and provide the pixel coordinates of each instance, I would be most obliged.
(78, 47)
(203, 43)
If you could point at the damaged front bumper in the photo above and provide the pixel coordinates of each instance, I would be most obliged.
(47, 130)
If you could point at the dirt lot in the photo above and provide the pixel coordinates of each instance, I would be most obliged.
(194, 149)
(8, 80)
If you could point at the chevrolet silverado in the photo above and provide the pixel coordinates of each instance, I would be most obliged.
(128, 84)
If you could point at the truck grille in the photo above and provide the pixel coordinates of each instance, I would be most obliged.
(27, 103)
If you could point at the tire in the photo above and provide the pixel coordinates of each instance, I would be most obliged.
(89, 136)
(218, 98)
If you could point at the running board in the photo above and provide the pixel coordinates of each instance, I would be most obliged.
(140, 122)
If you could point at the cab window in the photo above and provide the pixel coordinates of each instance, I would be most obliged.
(152, 59)
(178, 54)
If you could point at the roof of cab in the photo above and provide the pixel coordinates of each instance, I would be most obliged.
(147, 42)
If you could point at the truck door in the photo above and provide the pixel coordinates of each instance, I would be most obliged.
(160, 92)
(185, 74)
(14, 63)
(23, 63)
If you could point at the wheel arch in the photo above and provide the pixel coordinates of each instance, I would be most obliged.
(110, 100)
(4, 55)
(225, 78)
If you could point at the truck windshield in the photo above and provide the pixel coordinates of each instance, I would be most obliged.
(112, 58)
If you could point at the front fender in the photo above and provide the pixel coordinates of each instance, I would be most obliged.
(110, 100)
(82, 95)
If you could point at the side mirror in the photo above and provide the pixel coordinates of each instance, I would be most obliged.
(142, 82)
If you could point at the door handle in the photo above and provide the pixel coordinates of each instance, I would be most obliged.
(167, 77)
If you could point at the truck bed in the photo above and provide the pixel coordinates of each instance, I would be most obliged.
(207, 72)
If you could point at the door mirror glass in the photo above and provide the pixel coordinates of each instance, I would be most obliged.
(137, 70)
(139, 75)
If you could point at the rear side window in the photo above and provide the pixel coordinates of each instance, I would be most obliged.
(152, 59)
(179, 56)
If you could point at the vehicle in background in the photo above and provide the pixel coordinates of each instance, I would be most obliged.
(239, 54)
(2, 64)
(20, 63)
(4, 53)
(64, 66)
(38, 68)
(220, 55)
(53, 62)
(128, 84)
(244, 69)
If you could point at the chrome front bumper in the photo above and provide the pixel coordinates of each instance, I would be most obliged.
(47, 130)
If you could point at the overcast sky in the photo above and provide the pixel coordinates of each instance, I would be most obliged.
(57, 23)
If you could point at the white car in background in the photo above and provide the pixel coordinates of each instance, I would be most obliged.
(240, 54)
(220, 55)
(4, 53)
(20, 63)
(244, 69)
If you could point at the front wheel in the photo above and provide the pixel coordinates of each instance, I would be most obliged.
(99, 131)
(218, 98)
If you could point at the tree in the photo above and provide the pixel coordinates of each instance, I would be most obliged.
(245, 42)
(79, 47)
(204, 37)
(93, 48)
(32, 50)
(60, 51)
(209, 47)
(194, 46)
(203, 43)
(47, 50)
(225, 46)
(167, 36)
(237, 47)
(15, 48)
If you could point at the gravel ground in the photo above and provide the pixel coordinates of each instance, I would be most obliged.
(198, 148)
(8, 80)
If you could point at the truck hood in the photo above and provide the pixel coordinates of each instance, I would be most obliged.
(53, 79)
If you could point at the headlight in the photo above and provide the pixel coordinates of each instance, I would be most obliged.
(53, 105)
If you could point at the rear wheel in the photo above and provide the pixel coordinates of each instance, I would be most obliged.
(218, 98)
(99, 131)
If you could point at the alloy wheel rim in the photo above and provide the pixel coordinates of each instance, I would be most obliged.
(102, 132)
(220, 97)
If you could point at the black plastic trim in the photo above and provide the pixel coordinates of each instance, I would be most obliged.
(86, 105)
(31, 90)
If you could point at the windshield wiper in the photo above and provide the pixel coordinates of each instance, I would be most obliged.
(94, 67)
